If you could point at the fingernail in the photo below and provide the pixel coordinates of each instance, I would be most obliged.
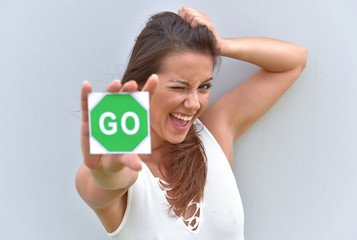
(85, 81)
(117, 80)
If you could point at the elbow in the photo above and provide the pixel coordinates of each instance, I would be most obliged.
(302, 60)
(80, 182)
(299, 59)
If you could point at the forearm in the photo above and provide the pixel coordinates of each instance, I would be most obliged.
(270, 54)
(100, 189)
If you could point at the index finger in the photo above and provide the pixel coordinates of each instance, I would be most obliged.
(114, 86)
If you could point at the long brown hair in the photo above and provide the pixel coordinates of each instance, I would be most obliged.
(163, 34)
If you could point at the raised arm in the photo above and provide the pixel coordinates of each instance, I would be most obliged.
(281, 64)
(270, 54)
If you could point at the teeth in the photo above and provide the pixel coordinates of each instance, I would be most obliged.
(185, 118)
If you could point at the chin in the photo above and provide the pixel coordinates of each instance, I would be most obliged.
(177, 139)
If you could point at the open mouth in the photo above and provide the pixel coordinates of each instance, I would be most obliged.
(179, 121)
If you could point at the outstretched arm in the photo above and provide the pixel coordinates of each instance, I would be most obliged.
(281, 64)
(103, 180)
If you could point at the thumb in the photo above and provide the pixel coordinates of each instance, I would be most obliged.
(151, 84)
(132, 161)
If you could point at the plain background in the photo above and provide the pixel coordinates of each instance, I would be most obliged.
(296, 167)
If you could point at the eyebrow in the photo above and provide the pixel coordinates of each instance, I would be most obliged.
(188, 84)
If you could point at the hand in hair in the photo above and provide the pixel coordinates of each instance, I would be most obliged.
(195, 18)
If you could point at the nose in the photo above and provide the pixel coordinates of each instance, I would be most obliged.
(192, 101)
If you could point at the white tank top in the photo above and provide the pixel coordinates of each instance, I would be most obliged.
(221, 211)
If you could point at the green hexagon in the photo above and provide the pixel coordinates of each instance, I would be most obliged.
(119, 104)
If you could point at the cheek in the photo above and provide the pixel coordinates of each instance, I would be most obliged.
(204, 99)
(162, 103)
(168, 101)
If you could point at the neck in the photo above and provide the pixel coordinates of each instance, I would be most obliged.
(155, 160)
(158, 152)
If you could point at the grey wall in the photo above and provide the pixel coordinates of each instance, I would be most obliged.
(296, 167)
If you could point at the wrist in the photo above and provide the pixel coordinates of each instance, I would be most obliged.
(233, 48)
(221, 45)
(104, 179)
(114, 180)
(226, 47)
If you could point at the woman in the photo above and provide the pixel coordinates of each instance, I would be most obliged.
(185, 189)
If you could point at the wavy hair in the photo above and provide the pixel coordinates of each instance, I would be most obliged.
(163, 34)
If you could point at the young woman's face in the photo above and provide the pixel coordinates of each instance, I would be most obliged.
(181, 95)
